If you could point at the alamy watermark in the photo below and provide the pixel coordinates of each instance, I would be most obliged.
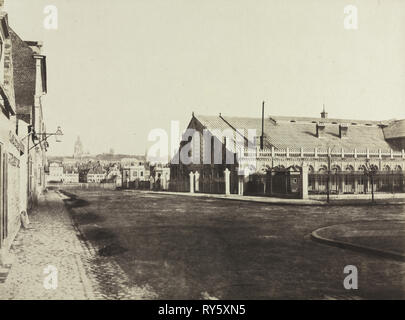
(51, 277)
(351, 280)
(350, 21)
(214, 146)
(51, 17)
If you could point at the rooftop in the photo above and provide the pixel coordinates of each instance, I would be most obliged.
(284, 132)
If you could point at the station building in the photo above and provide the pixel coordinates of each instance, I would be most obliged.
(340, 156)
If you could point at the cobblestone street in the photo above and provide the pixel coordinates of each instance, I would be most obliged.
(50, 240)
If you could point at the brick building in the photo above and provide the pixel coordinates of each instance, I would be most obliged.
(349, 149)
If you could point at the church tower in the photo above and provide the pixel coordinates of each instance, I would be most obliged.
(324, 114)
(78, 153)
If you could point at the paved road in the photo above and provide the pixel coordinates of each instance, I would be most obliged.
(173, 247)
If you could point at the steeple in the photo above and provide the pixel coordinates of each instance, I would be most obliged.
(78, 153)
(324, 114)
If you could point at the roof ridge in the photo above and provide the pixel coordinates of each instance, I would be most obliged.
(281, 117)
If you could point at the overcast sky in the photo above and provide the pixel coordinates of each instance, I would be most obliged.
(117, 69)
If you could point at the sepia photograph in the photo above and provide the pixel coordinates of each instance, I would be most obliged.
(216, 152)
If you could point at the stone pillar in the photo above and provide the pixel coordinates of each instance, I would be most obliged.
(191, 174)
(304, 181)
(197, 182)
(342, 183)
(241, 184)
(227, 181)
(271, 182)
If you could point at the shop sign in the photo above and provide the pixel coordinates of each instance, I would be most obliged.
(16, 143)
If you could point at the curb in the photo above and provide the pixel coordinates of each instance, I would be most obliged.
(354, 247)
(276, 201)
(86, 281)
(298, 202)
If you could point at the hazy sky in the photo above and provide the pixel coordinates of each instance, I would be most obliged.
(117, 69)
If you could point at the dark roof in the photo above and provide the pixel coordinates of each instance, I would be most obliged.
(297, 132)
(24, 70)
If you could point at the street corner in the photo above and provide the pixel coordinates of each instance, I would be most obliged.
(380, 238)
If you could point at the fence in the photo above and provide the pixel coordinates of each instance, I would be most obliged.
(356, 182)
(138, 185)
(256, 153)
(202, 185)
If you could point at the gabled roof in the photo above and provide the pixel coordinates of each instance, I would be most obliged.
(297, 132)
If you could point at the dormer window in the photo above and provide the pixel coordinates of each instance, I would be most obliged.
(320, 129)
(343, 128)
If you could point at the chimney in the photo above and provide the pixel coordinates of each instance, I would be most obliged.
(343, 127)
(320, 129)
(324, 114)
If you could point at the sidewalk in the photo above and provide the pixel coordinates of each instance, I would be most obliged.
(271, 200)
(50, 240)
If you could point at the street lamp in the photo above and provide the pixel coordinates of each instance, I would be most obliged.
(58, 133)
(45, 135)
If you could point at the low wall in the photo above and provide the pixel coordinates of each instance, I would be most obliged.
(97, 186)
(358, 196)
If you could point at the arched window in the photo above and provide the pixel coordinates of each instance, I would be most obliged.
(279, 168)
(349, 168)
(362, 167)
(295, 168)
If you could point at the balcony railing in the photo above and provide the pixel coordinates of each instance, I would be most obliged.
(320, 153)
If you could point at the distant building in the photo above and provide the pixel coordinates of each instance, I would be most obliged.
(161, 177)
(72, 177)
(130, 162)
(78, 151)
(96, 175)
(55, 173)
(135, 174)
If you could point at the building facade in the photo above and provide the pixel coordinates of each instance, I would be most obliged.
(55, 173)
(353, 151)
(22, 149)
(70, 177)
